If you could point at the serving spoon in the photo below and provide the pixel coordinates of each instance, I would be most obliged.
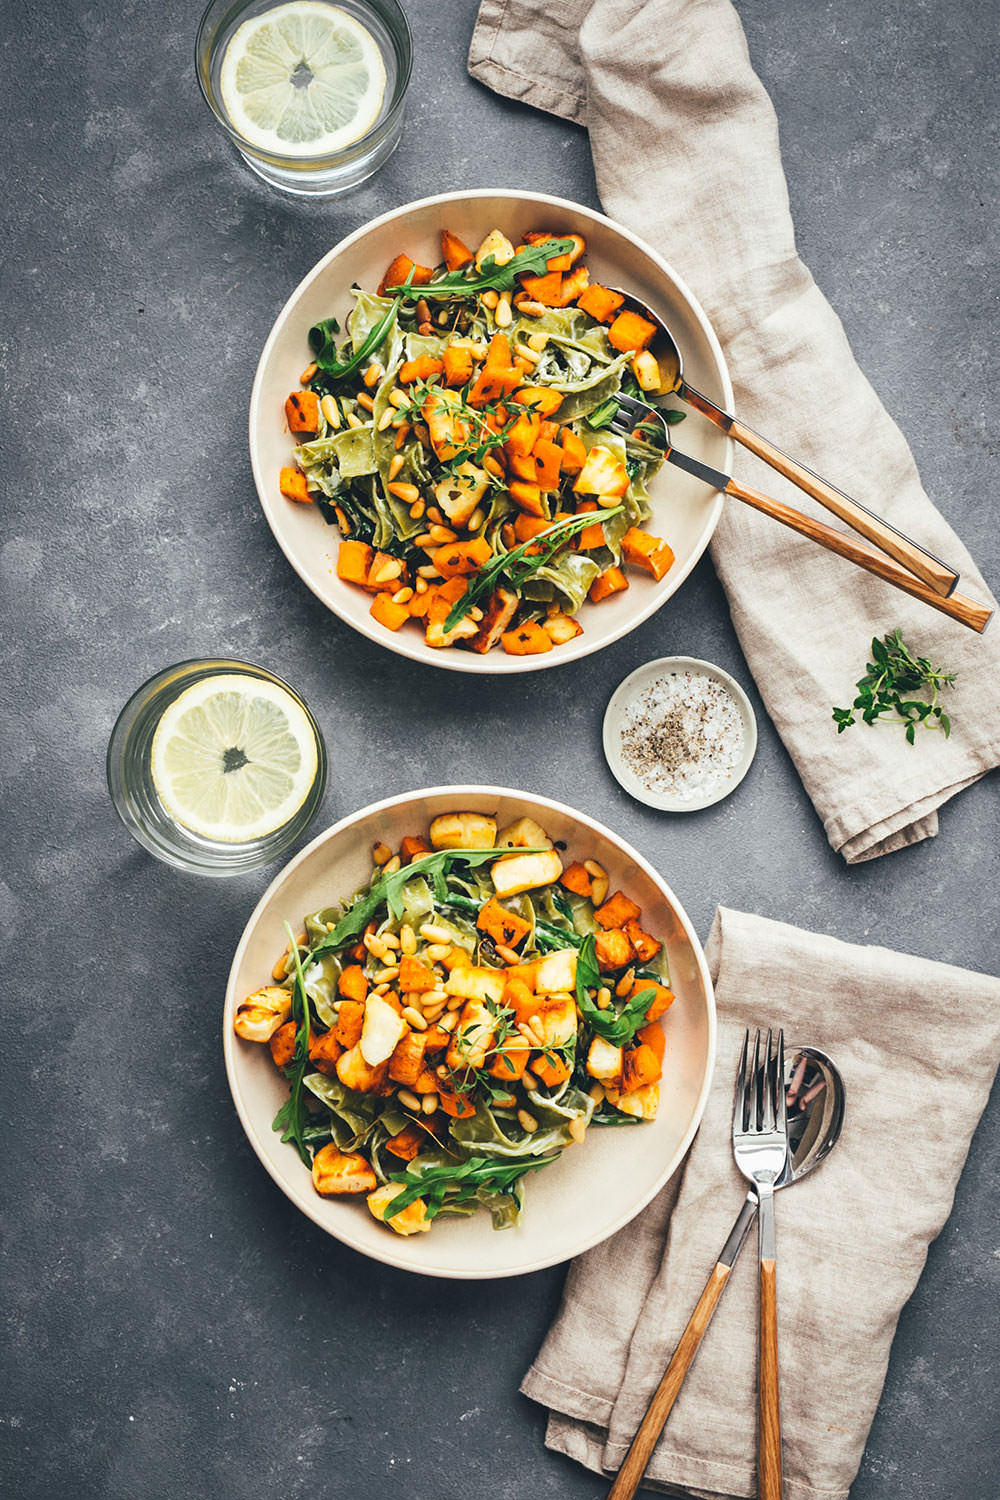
(924, 565)
(815, 1096)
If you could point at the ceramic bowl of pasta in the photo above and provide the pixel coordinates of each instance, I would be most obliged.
(469, 1032)
(434, 439)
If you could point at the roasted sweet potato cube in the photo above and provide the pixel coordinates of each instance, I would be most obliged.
(292, 484)
(408, 1143)
(504, 927)
(324, 1050)
(454, 253)
(541, 400)
(640, 1065)
(302, 413)
(457, 559)
(393, 616)
(576, 879)
(510, 1059)
(611, 582)
(630, 331)
(350, 1019)
(662, 1000)
(355, 1073)
(399, 269)
(415, 975)
(600, 302)
(550, 1067)
(572, 285)
(574, 452)
(353, 983)
(650, 553)
(282, 1044)
(617, 910)
(645, 945)
(407, 1060)
(354, 561)
(527, 497)
(613, 949)
(412, 847)
(653, 1037)
(454, 1103)
(458, 364)
(528, 639)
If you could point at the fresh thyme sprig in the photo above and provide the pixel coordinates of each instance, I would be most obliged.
(886, 691)
(490, 276)
(517, 567)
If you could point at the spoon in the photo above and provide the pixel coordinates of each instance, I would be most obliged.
(815, 1102)
(924, 565)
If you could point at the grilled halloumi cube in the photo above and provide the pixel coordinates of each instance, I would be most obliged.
(465, 830)
(557, 1014)
(556, 972)
(604, 1060)
(260, 1014)
(460, 492)
(412, 1220)
(476, 982)
(381, 1029)
(525, 872)
(523, 833)
(472, 1038)
(643, 1103)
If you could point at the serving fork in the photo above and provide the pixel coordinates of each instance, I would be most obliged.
(760, 1147)
(633, 415)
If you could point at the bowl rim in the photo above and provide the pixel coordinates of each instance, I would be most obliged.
(389, 1255)
(413, 648)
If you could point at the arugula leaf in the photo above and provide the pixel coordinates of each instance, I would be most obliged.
(292, 1118)
(615, 1026)
(449, 1186)
(324, 347)
(387, 889)
(490, 277)
(517, 567)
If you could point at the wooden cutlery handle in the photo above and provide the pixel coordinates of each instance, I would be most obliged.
(966, 611)
(769, 1439)
(638, 1456)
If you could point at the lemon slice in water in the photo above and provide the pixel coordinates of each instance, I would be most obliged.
(303, 79)
(233, 758)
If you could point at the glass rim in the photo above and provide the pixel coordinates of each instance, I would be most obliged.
(371, 137)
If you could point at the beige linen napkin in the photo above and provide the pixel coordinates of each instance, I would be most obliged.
(686, 154)
(917, 1043)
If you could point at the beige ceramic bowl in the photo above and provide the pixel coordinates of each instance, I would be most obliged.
(594, 1188)
(685, 510)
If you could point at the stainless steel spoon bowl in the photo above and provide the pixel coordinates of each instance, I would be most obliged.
(815, 1098)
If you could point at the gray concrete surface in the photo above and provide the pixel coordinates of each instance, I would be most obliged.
(174, 1327)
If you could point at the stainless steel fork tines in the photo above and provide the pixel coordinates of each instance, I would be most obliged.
(760, 1147)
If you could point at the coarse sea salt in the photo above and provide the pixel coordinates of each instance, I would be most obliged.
(683, 736)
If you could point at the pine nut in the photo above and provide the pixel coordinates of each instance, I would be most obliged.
(537, 341)
(529, 1033)
(476, 520)
(527, 354)
(408, 493)
(626, 982)
(475, 614)
(417, 509)
(423, 539)
(527, 1122)
(402, 596)
(494, 466)
(437, 951)
(442, 318)
(429, 1103)
(395, 464)
(407, 939)
(389, 938)
(331, 411)
(279, 971)
(449, 1020)
(408, 1100)
(416, 1020)
(441, 1070)
(503, 317)
(375, 946)
(537, 1025)
(433, 1011)
(434, 934)
(532, 309)
(392, 865)
(442, 535)
(507, 954)
(380, 853)
(403, 430)
(433, 514)
(422, 310)
(381, 989)
(390, 569)
(399, 399)
(505, 1101)
(596, 1092)
(307, 374)
(385, 421)
(490, 298)
(363, 399)
(604, 997)
(455, 1003)
(596, 871)
(373, 375)
(421, 585)
(388, 974)
(578, 1130)
(353, 420)
(529, 1081)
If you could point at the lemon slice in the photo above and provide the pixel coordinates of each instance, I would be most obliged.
(233, 758)
(304, 79)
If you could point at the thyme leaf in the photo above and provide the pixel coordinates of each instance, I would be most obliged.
(886, 692)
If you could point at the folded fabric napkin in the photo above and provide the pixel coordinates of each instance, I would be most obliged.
(686, 155)
(917, 1043)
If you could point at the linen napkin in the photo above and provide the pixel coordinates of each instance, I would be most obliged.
(917, 1043)
(686, 154)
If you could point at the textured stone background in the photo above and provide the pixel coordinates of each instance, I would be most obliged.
(174, 1326)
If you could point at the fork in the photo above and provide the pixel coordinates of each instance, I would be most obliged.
(634, 414)
(760, 1146)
